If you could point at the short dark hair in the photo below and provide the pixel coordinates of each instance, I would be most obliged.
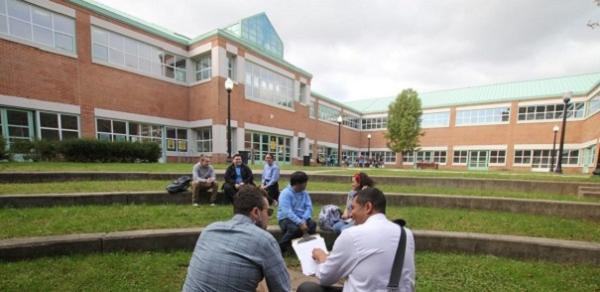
(298, 177)
(235, 155)
(248, 197)
(373, 195)
(269, 154)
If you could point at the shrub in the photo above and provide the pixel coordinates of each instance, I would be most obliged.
(91, 150)
(3, 152)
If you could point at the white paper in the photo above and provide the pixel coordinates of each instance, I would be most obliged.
(304, 252)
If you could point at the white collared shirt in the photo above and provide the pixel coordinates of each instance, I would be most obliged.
(365, 253)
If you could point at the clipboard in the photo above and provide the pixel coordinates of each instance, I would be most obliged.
(303, 248)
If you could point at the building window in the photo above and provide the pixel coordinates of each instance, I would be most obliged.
(541, 158)
(302, 95)
(498, 157)
(374, 123)
(522, 157)
(204, 67)
(260, 144)
(55, 126)
(269, 86)
(434, 120)
(119, 50)
(460, 157)
(431, 156)
(594, 105)
(114, 130)
(231, 66)
(352, 121)
(25, 21)
(385, 156)
(18, 125)
(408, 157)
(204, 139)
(483, 116)
(327, 113)
(550, 111)
(177, 139)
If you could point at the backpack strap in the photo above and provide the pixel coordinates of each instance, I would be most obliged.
(398, 262)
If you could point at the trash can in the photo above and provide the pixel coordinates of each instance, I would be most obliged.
(244, 155)
(306, 160)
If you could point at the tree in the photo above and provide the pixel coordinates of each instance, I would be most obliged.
(404, 122)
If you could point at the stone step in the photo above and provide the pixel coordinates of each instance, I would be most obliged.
(589, 191)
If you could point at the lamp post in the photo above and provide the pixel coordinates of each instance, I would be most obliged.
(562, 133)
(229, 87)
(555, 130)
(369, 146)
(339, 121)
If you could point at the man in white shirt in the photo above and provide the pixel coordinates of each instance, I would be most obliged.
(364, 254)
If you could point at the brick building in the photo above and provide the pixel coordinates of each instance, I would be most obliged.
(80, 69)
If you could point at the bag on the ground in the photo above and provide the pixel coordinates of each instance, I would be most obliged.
(179, 185)
(329, 215)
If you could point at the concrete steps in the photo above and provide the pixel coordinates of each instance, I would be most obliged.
(589, 191)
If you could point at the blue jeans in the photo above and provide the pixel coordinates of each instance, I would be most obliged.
(341, 225)
(290, 231)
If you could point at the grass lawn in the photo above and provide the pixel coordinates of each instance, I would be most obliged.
(186, 167)
(158, 185)
(162, 271)
(89, 219)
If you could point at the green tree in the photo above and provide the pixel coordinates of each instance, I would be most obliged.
(404, 122)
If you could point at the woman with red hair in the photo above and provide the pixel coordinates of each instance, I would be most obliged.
(360, 181)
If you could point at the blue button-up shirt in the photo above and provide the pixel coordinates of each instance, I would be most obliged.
(295, 206)
(235, 255)
(270, 174)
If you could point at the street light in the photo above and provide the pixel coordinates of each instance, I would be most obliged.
(339, 121)
(229, 87)
(369, 146)
(562, 133)
(555, 130)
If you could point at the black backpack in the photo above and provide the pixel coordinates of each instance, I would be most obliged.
(179, 185)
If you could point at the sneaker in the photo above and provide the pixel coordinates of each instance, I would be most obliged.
(212, 204)
(195, 204)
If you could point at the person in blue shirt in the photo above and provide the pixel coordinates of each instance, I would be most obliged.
(236, 175)
(270, 179)
(295, 211)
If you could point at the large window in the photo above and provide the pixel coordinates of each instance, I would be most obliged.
(115, 130)
(18, 126)
(204, 139)
(460, 157)
(259, 144)
(327, 113)
(434, 120)
(385, 156)
(267, 85)
(204, 67)
(541, 158)
(55, 126)
(498, 157)
(408, 157)
(28, 22)
(483, 116)
(120, 50)
(374, 123)
(352, 121)
(550, 111)
(431, 156)
(177, 140)
(594, 104)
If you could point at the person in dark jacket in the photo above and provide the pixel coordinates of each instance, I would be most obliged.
(236, 175)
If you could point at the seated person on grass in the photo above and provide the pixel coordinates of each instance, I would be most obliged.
(295, 210)
(236, 175)
(236, 255)
(204, 179)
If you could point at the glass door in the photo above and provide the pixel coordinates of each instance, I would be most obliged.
(478, 160)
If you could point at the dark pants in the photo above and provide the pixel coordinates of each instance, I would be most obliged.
(314, 287)
(198, 187)
(290, 231)
(273, 192)
(230, 191)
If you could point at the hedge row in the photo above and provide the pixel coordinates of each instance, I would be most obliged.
(87, 150)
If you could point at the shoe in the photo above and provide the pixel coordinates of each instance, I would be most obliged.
(195, 204)
(212, 204)
(275, 203)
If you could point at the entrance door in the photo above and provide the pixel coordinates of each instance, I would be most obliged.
(478, 159)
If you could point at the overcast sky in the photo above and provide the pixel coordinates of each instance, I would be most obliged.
(375, 48)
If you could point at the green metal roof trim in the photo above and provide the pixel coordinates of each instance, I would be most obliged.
(333, 101)
(181, 39)
(502, 92)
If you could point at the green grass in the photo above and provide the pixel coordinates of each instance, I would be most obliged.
(161, 271)
(158, 185)
(15, 222)
(186, 168)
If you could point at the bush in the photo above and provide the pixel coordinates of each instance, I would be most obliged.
(3, 152)
(91, 150)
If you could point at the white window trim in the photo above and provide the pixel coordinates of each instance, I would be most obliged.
(42, 47)
(39, 127)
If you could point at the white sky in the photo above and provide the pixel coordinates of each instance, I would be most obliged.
(373, 48)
